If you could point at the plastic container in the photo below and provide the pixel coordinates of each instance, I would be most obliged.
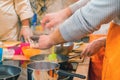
(29, 52)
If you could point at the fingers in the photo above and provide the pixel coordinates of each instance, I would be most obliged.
(45, 42)
(32, 43)
(84, 52)
(44, 21)
(50, 20)
(36, 45)
(87, 51)
(26, 33)
(50, 24)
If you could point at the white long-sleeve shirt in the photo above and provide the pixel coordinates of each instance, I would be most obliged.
(88, 18)
(9, 12)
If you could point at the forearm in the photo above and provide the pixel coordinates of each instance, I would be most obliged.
(88, 19)
(58, 39)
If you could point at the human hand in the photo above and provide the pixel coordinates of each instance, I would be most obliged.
(47, 41)
(26, 32)
(54, 19)
(94, 47)
(51, 20)
(44, 42)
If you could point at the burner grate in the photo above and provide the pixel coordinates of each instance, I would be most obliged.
(69, 67)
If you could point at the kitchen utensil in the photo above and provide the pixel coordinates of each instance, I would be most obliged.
(60, 58)
(44, 57)
(47, 71)
(64, 48)
(35, 38)
(63, 60)
(8, 72)
(34, 41)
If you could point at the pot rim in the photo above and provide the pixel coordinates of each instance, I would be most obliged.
(12, 75)
(57, 67)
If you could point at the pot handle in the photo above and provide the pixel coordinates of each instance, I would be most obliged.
(29, 74)
(61, 72)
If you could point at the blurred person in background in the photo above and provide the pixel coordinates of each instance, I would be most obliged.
(10, 10)
(84, 21)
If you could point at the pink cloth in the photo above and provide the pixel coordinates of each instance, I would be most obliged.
(18, 49)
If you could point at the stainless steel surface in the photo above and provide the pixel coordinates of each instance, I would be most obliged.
(8, 72)
(64, 48)
(40, 57)
(48, 71)
(60, 58)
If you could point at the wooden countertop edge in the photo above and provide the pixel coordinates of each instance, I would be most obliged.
(83, 69)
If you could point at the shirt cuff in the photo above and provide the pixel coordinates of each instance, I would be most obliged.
(26, 16)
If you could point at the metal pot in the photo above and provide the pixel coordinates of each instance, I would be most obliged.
(64, 48)
(47, 71)
(62, 60)
(8, 72)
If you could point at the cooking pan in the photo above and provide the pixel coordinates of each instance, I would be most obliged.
(47, 71)
(8, 72)
(60, 57)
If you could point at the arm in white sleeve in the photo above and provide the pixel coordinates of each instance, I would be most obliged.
(89, 18)
(78, 5)
(23, 9)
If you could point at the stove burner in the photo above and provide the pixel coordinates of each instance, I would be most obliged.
(69, 67)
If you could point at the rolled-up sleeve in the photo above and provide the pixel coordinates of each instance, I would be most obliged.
(89, 18)
(23, 9)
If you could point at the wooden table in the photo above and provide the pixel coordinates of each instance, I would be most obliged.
(83, 69)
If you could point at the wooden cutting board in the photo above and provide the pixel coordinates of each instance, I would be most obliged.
(80, 47)
(20, 57)
(10, 43)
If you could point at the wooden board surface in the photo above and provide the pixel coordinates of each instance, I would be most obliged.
(83, 67)
(10, 43)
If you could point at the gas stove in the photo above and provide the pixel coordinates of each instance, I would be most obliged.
(68, 67)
